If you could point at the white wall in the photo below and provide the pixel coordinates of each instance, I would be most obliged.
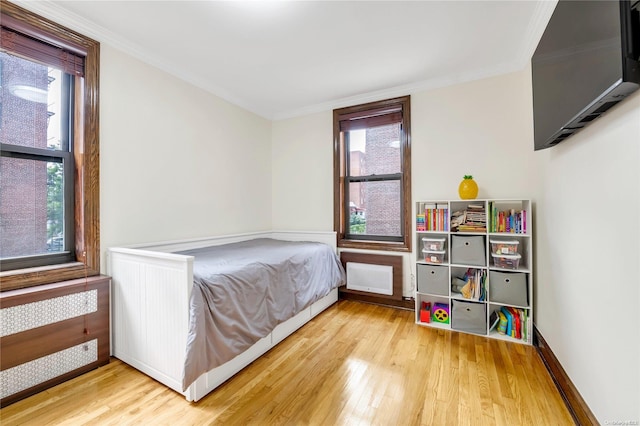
(302, 159)
(585, 191)
(587, 260)
(176, 162)
(481, 128)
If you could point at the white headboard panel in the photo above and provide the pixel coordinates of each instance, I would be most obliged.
(327, 237)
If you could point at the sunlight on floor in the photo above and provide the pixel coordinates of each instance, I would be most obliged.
(365, 393)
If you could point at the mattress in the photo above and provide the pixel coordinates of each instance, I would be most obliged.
(243, 290)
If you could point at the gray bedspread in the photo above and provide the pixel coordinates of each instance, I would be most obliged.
(242, 291)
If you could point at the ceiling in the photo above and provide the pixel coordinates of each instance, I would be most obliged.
(281, 59)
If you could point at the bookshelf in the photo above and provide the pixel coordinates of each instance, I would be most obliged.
(473, 267)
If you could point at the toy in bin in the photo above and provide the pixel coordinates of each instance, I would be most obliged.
(440, 313)
(434, 244)
(433, 256)
(509, 247)
(506, 261)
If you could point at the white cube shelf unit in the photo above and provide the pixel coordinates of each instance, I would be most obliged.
(474, 267)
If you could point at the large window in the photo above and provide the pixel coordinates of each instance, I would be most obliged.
(37, 168)
(372, 175)
(48, 151)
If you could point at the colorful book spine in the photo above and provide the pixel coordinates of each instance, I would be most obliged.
(502, 325)
(516, 331)
(510, 221)
(509, 317)
(430, 216)
(442, 209)
(421, 224)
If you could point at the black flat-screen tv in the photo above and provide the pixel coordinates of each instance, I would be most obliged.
(586, 62)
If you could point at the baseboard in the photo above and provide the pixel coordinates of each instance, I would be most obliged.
(579, 410)
(361, 296)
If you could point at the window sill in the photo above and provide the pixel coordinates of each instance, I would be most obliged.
(22, 278)
(373, 245)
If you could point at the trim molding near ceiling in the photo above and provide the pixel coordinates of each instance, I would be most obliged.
(537, 25)
(539, 20)
(535, 29)
(48, 9)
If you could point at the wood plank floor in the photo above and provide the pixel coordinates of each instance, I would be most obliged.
(355, 364)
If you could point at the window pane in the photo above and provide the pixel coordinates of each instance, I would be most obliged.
(375, 150)
(374, 208)
(30, 104)
(31, 207)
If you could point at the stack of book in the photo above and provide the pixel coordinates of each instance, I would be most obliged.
(421, 224)
(512, 221)
(472, 286)
(432, 217)
(510, 321)
(473, 219)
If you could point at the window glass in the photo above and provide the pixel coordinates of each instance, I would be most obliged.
(375, 151)
(374, 208)
(32, 108)
(34, 129)
(34, 222)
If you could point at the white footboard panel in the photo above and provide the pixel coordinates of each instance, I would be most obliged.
(151, 288)
(150, 315)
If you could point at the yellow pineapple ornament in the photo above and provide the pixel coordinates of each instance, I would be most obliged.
(468, 188)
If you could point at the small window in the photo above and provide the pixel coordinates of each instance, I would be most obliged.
(372, 175)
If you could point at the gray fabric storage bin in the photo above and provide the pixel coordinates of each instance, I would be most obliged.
(433, 279)
(468, 250)
(508, 287)
(469, 317)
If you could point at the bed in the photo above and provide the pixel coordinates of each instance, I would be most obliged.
(191, 314)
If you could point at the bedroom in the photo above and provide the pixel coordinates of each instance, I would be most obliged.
(189, 139)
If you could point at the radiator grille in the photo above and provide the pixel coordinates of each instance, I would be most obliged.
(32, 373)
(16, 319)
(370, 278)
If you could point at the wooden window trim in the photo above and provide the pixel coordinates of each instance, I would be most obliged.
(339, 222)
(87, 162)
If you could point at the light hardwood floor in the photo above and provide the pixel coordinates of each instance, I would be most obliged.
(355, 364)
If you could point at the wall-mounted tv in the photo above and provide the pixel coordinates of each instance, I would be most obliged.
(586, 62)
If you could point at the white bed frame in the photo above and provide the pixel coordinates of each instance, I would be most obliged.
(151, 287)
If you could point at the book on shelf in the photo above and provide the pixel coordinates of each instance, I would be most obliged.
(421, 224)
(472, 219)
(508, 221)
(432, 217)
(516, 323)
(443, 214)
(502, 324)
(494, 320)
(474, 287)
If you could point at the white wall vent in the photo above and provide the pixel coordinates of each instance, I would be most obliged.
(370, 278)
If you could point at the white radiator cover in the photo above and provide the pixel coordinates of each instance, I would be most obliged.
(370, 278)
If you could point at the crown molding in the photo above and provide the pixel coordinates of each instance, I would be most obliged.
(402, 90)
(542, 13)
(48, 9)
(535, 29)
